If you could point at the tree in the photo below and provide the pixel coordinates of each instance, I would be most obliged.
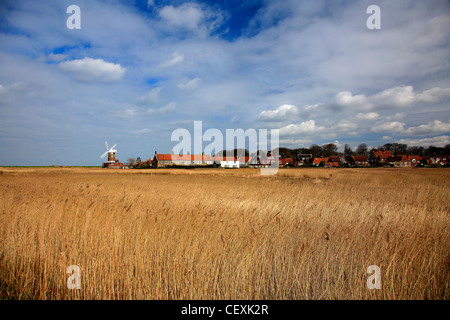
(396, 148)
(447, 149)
(316, 150)
(130, 161)
(347, 150)
(362, 149)
(415, 151)
(329, 149)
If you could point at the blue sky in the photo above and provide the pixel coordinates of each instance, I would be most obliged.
(138, 70)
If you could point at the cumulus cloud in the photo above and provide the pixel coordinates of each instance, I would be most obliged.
(439, 141)
(347, 99)
(191, 17)
(282, 113)
(402, 96)
(390, 127)
(306, 127)
(302, 53)
(91, 70)
(432, 128)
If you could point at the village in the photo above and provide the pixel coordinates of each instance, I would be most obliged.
(375, 158)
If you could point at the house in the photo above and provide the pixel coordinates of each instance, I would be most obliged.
(337, 161)
(165, 160)
(286, 162)
(379, 157)
(401, 161)
(359, 161)
(243, 161)
(417, 160)
(303, 159)
(227, 162)
(161, 160)
(317, 161)
(265, 160)
(442, 160)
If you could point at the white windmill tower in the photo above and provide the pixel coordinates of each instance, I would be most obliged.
(111, 152)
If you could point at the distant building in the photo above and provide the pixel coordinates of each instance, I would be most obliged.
(359, 161)
(166, 160)
(379, 157)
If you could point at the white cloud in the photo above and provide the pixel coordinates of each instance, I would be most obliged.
(176, 59)
(56, 57)
(405, 96)
(167, 108)
(188, 15)
(347, 99)
(296, 143)
(347, 124)
(150, 97)
(313, 106)
(131, 113)
(306, 127)
(402, 96)
(189, 84)
(434, 32)
(390, 127)
(432, 128)
(10, 92)
(282, 113)
(91, 70)
(439, 141)
(192, 17)
(367, 116)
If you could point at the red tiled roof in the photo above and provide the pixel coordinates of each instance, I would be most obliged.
(319, 160)
(183, 157)
(382, 154)
(162, 156)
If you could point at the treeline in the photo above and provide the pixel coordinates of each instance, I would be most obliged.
(330, 149)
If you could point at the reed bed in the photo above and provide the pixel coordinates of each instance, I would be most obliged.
(224, 234)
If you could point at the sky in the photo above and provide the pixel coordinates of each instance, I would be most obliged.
(136, 71)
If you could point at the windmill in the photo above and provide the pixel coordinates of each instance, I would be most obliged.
(111, 152)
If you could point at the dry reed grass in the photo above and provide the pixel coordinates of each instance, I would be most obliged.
(224, 234)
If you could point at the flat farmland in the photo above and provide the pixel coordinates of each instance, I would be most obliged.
(224, 234)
